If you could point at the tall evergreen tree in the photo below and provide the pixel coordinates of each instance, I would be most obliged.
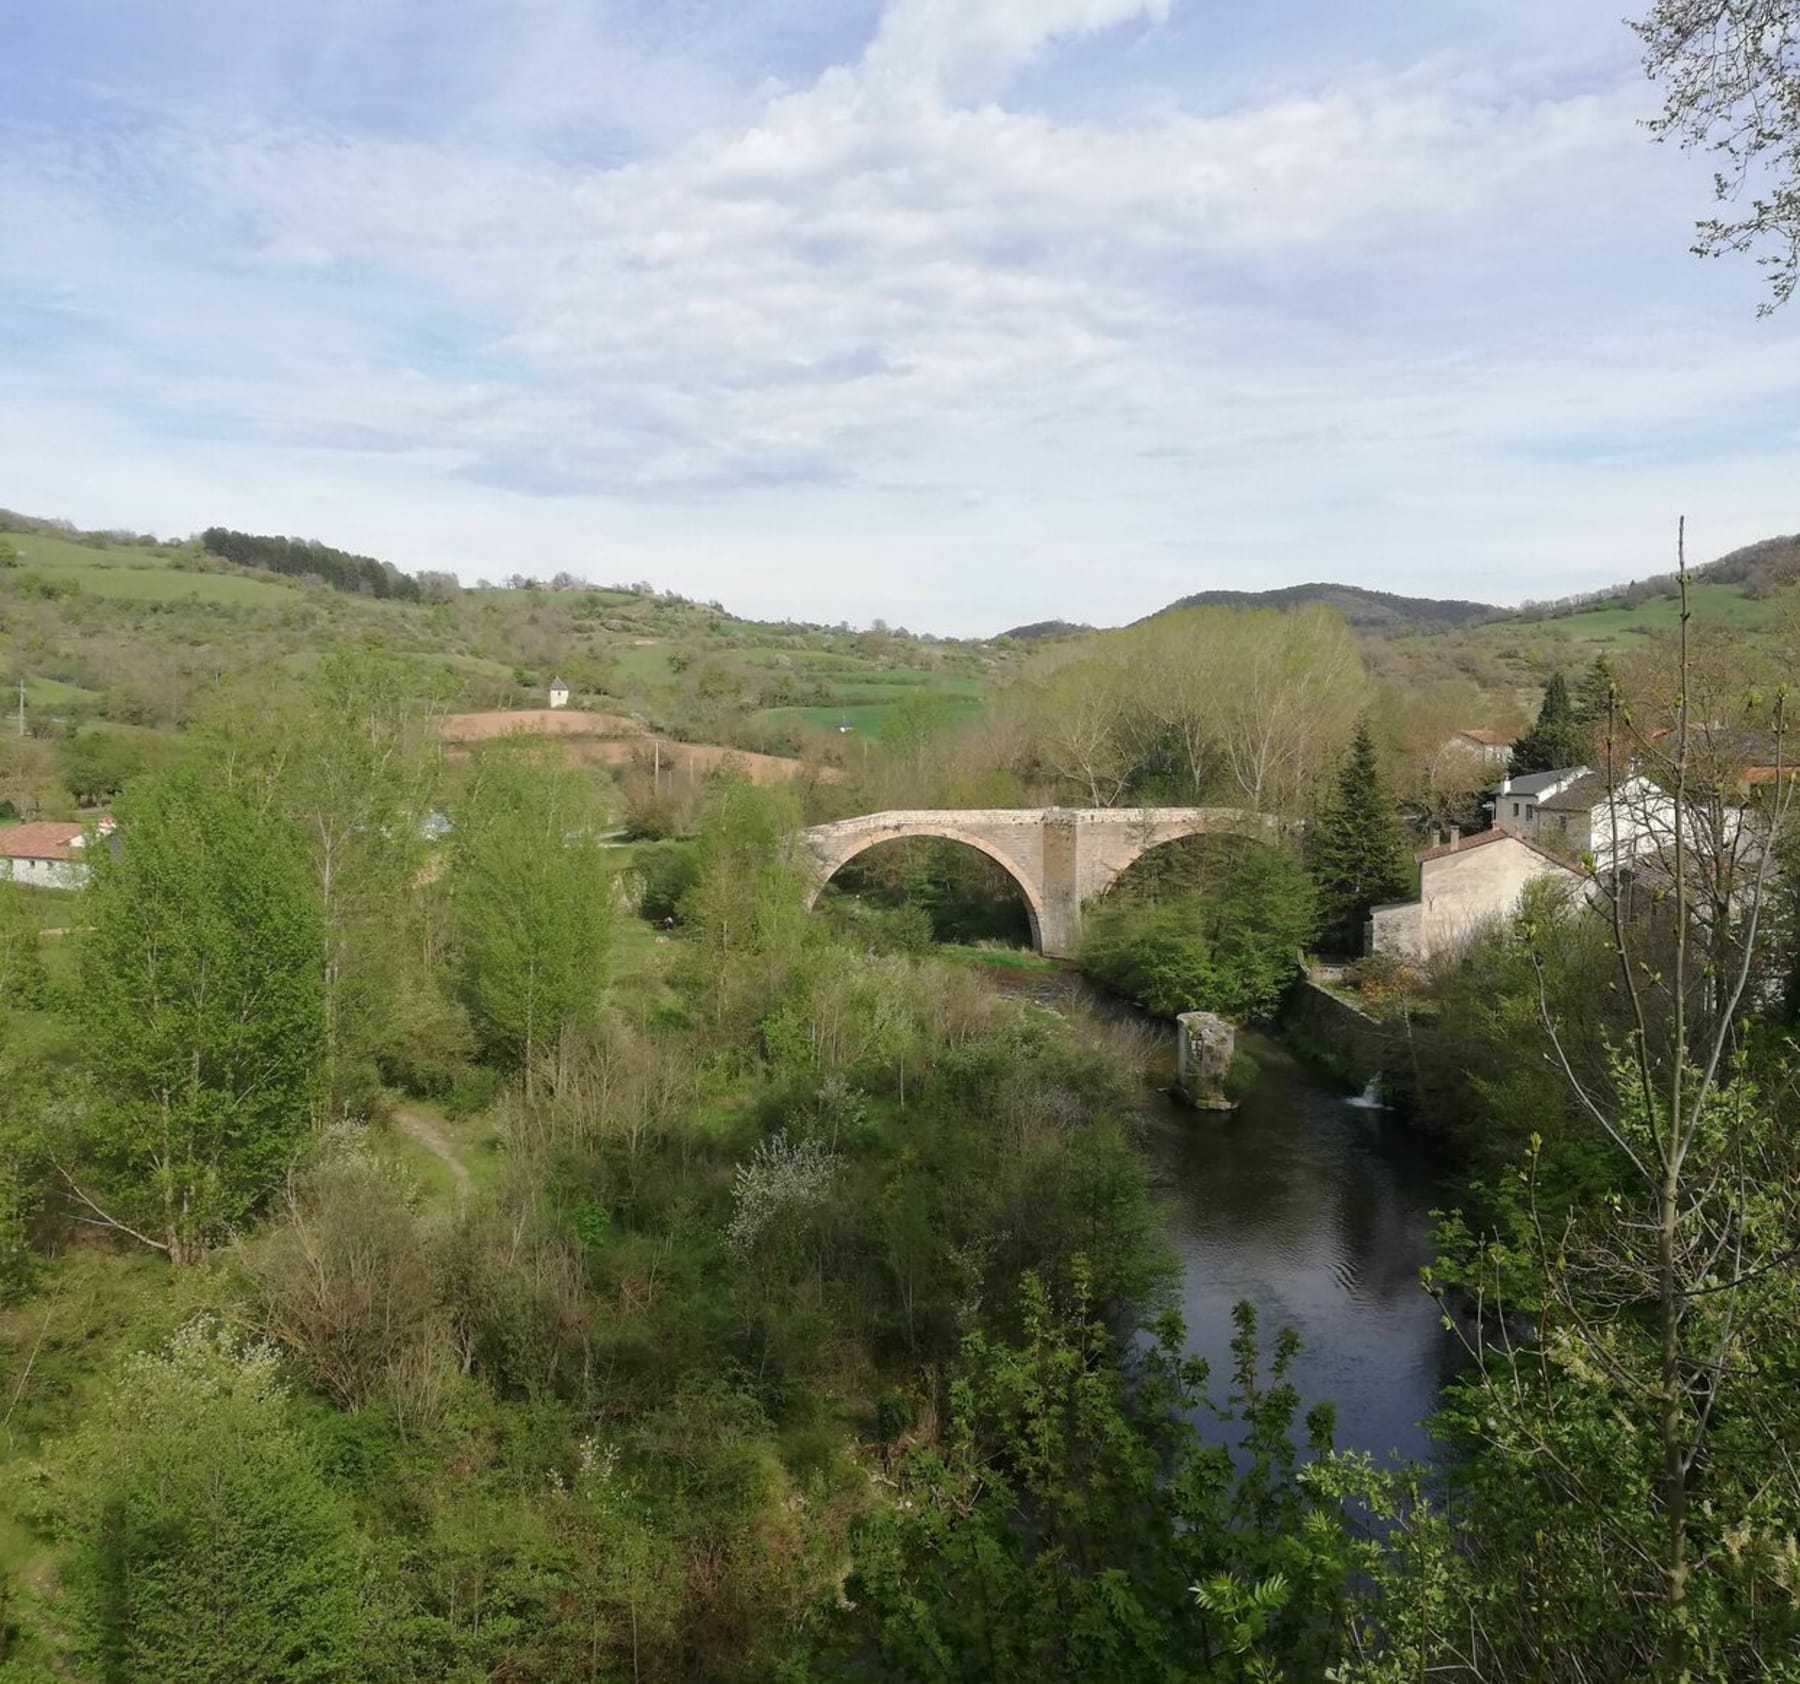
(1356, 850)
(1558, 739)
(1595, 695)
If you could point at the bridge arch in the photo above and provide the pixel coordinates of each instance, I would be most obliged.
(942, 832)
(1062, 858)
(1226, 824)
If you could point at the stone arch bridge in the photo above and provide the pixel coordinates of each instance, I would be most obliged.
(1060, 857)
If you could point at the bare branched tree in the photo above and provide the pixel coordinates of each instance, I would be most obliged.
(1659, 1301)
(1730, 71)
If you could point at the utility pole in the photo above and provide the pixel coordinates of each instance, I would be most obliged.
(21, 707)
(656, 774)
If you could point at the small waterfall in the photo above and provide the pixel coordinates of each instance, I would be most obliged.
(1372, 1097)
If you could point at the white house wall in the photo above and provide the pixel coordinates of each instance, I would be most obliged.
(45, 874)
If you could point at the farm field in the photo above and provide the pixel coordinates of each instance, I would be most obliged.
(864, 718)
(133, 574)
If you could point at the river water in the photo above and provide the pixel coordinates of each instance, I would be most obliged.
(1314, 1207)
(1317, 1210)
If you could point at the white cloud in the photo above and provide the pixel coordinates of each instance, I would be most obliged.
(889, 313)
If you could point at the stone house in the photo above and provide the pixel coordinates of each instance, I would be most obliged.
(1513, 803)
(1584, 819)
(559, 693)
(46, 855)
(1465, 885)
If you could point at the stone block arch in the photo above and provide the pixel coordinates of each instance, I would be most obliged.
(832, 858)
(1061, 857)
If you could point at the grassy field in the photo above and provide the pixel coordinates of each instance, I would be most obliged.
(1713, 605)
(864, 718)
(49, 693)
(131, 574)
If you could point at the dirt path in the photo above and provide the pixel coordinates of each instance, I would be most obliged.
(421, 1129)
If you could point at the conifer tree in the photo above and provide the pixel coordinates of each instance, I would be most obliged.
(1594, 696)
(1558, 739)
(1356, 850)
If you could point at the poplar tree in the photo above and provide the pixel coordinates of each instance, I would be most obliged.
(201, 1003)
(1356, 849)
(531, 895)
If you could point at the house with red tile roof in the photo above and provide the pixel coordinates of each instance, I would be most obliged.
(46, 854)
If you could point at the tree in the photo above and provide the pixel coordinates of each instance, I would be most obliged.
(346, 761)
(1597, 694)
(531, 893)
(98, 764)
(1222, 934)
(1073, 1525)
(1730, 71)
(201, 1002)
(21, 959)
(1632, 1451)
(208, 1548)
(1558, 739)
(1355, 848)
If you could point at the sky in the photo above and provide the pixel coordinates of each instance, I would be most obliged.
(955, 313)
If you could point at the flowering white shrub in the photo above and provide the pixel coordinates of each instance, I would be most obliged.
(783, 1179)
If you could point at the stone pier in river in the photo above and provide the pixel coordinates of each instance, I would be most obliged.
(1204, 1046)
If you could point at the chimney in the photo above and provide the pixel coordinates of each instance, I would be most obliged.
(1506, 783)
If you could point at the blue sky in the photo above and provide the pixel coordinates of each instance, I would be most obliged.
(954, 312)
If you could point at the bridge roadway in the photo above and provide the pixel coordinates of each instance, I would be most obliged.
(1060, 857)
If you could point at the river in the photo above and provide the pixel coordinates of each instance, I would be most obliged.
(1314, 1207)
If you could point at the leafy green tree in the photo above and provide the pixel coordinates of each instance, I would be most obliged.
(1075, 1528)
(354, 777)
(1228, 942)
(21, 960)
(201, 1002)
(1558, 739)
(98, 764)
(207, 1546)
(531, 892)
(1356, 848)
(747, 903)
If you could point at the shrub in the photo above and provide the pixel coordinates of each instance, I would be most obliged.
(208, 1547)
(344, 1277)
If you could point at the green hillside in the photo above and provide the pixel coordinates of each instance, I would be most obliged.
(130, 572)
(119, 633)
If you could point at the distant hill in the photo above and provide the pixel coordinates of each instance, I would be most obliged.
(1761, 568)
(1038, 630)
(1371, 610)
(1758, 571)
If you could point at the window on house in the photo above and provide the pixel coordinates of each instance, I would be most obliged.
(1515, 809)
(1529, 809)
